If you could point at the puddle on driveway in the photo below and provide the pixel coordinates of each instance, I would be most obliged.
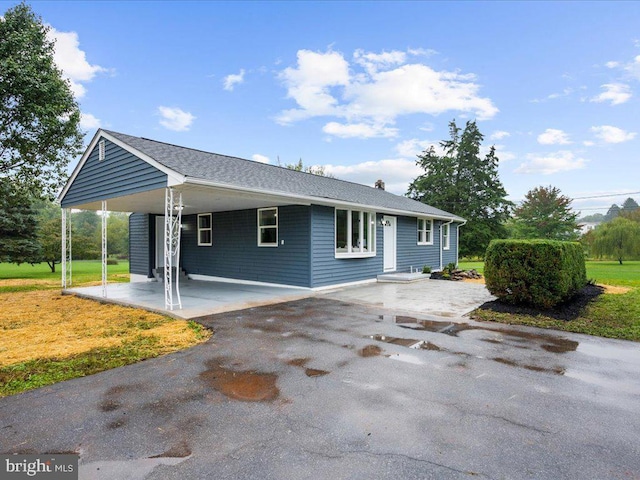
(405, 342)
(370, 351)
(309, 372)
(247, 386)
(534, 368)
(518, 339)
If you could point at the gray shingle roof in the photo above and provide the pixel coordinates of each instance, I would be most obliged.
(249, 174)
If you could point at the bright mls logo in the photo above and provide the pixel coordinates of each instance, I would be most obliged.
(50, 467)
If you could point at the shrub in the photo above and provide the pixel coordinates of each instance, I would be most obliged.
(112, 261)
(426, 269)
(538, 273)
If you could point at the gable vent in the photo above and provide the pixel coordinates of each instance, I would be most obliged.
(101, 150)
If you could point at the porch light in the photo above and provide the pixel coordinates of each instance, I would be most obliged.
(385, 223)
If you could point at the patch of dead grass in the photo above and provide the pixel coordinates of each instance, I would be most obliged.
(615, 290)
(46, 324)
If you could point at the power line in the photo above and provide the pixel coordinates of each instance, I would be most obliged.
(604, 196)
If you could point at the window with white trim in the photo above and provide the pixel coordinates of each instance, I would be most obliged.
(355, 233)
(445, 236)
(425, 231)
(101, 151)
(268, 227)
(205, 232)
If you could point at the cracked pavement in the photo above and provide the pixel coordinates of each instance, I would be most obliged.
(482, 401)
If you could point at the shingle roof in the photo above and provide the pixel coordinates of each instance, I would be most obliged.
(249, 174)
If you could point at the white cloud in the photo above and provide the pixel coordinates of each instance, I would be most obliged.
(552, 136)
(588, 143)
(501, 152)
(176, 119)
(612, 64)
(230, 81)
(89, 122)
(562, 161)
(414, 147)
(616, 93)
(499, 135)
(633, 68)
(359, 130)
(396, 173)
(375, 89)
(260, 158)
(72, 60)
(609, 134)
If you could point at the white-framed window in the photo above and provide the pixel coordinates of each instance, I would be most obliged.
(268, 227)
(101, 150)
(425, 231)
(445, 236)
(355, 233)
(205, 231)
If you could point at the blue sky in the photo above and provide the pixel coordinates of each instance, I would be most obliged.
(362, 87)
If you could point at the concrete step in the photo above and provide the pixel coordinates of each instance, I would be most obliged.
(403, 277)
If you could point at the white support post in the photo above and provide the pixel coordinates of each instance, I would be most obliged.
(172, 221)
(65, 258)
(104, 248)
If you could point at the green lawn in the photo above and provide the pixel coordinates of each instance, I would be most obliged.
(610, 315)
(15, 278)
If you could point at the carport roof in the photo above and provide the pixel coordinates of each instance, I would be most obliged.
(205, 168)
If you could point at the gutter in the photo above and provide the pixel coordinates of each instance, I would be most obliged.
(458, 242)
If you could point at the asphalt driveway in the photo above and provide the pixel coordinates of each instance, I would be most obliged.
(323, 389)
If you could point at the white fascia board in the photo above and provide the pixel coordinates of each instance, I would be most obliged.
(308, 200)
(173, 177)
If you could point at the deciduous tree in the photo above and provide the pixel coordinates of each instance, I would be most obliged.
(464, 182)
(619, 239)
(545, 213)
(39, 117)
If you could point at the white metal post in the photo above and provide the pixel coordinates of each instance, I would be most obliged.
(172, 221)
(63, 254)
(104, 248)
(69, 259)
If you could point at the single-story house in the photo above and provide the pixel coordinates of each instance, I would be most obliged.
(255, 222)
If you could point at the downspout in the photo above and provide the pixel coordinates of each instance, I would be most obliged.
(458, 242)
(441, 245)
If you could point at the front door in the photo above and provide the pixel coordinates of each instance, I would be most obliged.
(389, 243)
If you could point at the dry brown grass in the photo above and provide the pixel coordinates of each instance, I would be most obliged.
(46, 324)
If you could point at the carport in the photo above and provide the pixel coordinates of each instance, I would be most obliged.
(199, 298)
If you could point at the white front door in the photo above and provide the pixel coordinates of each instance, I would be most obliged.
(389, 243)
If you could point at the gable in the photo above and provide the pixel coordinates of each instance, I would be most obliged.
(120, 173)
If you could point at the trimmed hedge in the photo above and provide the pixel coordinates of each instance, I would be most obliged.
(538, 273)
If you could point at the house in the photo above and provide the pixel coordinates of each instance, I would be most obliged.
(247, 221)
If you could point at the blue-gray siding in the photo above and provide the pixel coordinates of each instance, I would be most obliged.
(119, 174)
(328, 270)
(409, 253)
(139, 245)
(450, 256)
(235, 252)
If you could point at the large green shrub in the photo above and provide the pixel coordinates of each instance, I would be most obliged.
(538, 273)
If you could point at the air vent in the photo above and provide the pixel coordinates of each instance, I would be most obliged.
(101, 150)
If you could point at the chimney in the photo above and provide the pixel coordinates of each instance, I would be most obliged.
(379, 184)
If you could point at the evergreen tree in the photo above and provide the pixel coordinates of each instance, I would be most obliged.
(546, 213)
(18, 225)
(613, 212)
(464, 183)
(629, 205)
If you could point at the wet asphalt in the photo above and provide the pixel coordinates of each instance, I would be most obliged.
(323, 389)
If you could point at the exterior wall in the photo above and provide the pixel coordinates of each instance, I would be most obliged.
(328, 270)
(409, 253)
(235, 252)
(120, 173)
(140, 252)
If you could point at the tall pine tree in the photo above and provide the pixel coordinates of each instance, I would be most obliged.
(463, 182)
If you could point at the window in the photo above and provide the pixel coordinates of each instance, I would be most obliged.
(425, 229)
(101, 150)
(268, 227)
(204, 230)
(355, 233)
(445, 236)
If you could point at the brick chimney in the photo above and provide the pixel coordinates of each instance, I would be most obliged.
(379, 184)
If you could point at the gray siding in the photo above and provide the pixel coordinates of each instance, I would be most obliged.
(328, 270)
(139, 244)
(235, 252)
(409, 253)
(120, 173)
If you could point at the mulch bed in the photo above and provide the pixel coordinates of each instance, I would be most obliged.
(569, 310)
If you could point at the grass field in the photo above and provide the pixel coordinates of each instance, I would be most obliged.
(69, 337)
(25, 277)
(610, 315)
